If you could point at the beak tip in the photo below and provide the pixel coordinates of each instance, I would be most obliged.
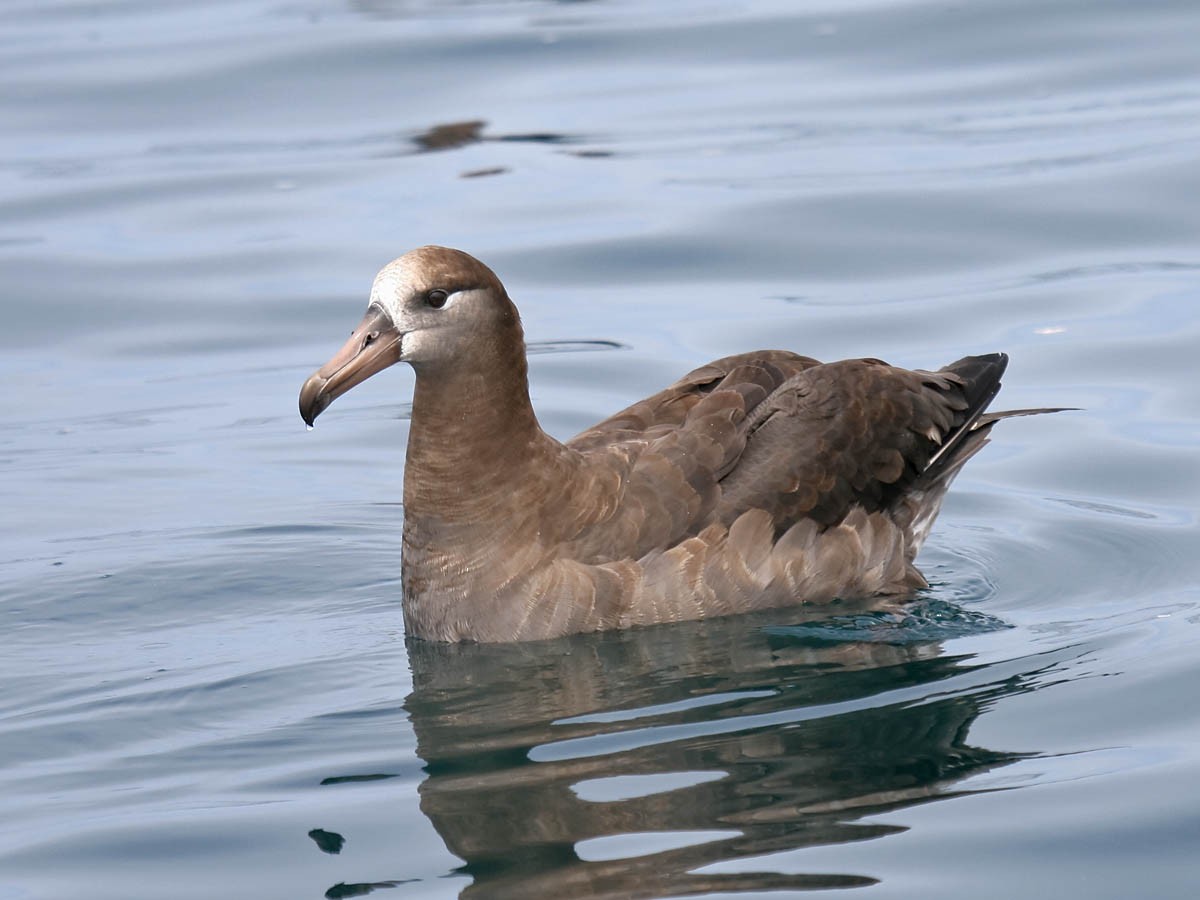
(313, 399)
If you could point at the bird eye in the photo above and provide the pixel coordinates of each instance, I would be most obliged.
(436, 299)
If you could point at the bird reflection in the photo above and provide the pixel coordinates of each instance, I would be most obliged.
(793, 742)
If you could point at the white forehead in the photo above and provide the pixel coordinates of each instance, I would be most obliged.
(391, 278)
(393, 282)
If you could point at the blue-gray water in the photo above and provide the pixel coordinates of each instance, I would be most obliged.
(205, 689)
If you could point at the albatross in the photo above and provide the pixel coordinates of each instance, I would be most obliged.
(757, 481)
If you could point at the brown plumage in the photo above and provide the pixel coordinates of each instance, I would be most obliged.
(757, 481)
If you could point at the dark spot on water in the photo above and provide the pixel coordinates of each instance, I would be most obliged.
(329, 841)
(535, 138)
(343, 779)
(450, 135)
(536, 347)
(483, 173)
(358, 890)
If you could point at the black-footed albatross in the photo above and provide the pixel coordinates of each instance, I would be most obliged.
(761, 480)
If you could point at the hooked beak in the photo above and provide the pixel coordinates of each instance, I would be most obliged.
(374, 345)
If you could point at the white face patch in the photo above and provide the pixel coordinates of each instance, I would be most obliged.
(412, 346)
(405, 289)
(394, 284)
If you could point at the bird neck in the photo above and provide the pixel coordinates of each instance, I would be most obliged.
(474, 435)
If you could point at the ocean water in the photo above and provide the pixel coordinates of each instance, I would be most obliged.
(205, 687)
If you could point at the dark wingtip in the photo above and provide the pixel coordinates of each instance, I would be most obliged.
(980, 378)
(988, 365)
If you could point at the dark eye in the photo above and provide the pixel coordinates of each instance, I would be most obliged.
(436, 299)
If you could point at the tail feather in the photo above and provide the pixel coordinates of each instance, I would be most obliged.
(993, 417)
(980, 376)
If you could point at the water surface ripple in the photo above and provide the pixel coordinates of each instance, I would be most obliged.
(205, 688)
